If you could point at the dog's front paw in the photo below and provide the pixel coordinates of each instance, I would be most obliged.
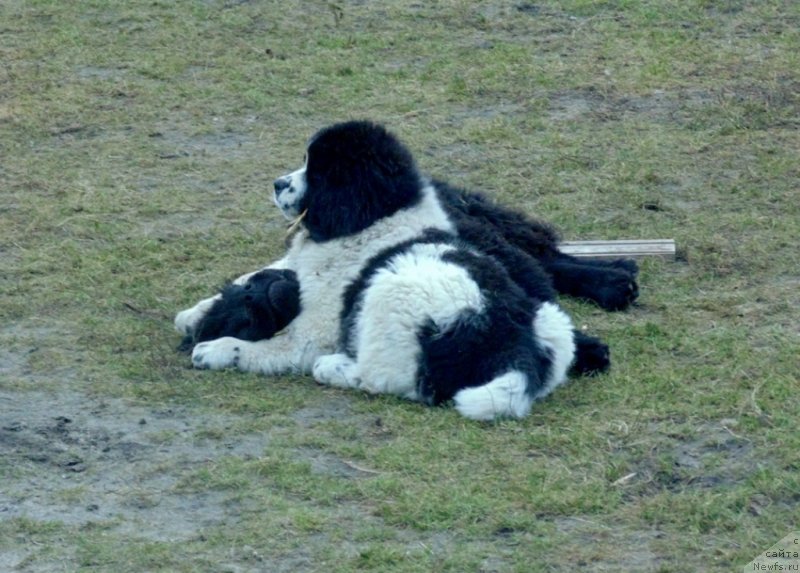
(335, 370)
(218, 354)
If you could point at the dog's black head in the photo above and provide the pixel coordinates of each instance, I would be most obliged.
(255, 310)
(355, 173)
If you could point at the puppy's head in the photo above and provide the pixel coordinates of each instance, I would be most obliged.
(272, 299)
(354, 174)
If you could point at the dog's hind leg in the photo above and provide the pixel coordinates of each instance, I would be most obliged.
(592, 356)
(506, 396)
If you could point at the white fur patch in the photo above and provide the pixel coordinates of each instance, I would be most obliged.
(288, 200)
(554, 332)
(186, 321)
(414, 288)
(323, 270)
(336, 370)
(505, 396)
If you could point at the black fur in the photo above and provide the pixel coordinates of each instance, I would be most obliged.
(360, 173)
(610, 284)
(479, 346)
(591, 355)
(256, 310)
(483, 346)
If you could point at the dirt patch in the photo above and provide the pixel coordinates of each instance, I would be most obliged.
(716, 457)
(99, 73)
(174, 143)
(713, 456)
(328, 464)
(743, 105)
(336, 407)
(658, 106)
(639, 554)
(80, 460)
(70, 458)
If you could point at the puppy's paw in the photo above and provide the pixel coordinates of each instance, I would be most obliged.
(186, 321)
(618, 291)
(336, 370)
(218, 354)
(592, 357)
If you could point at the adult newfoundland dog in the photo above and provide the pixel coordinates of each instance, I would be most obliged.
(405, 290)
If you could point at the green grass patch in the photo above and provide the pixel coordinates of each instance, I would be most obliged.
(139, 141)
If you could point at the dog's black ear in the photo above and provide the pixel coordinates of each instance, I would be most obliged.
(262, 317)
(284, 297)
(357, 173)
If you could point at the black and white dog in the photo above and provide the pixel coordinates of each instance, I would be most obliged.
(257, 309)
(403, 290)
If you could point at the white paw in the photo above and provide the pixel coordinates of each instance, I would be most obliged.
(336, 370)
(218, 354)
(186, 321)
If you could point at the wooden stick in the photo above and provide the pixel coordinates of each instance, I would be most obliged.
(626, 249)
(296, 223)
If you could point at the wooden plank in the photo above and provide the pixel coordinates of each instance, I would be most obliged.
(629, 249)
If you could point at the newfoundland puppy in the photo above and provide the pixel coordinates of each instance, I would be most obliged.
(401, 294)
(257, 309)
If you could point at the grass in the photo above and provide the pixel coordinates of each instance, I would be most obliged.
(139, 141)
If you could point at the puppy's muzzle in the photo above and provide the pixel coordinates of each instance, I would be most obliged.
(281, 185)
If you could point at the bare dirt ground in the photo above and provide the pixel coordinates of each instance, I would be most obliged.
(76, 458)
(73, 457)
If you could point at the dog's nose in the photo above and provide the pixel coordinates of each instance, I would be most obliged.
(281, 185)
